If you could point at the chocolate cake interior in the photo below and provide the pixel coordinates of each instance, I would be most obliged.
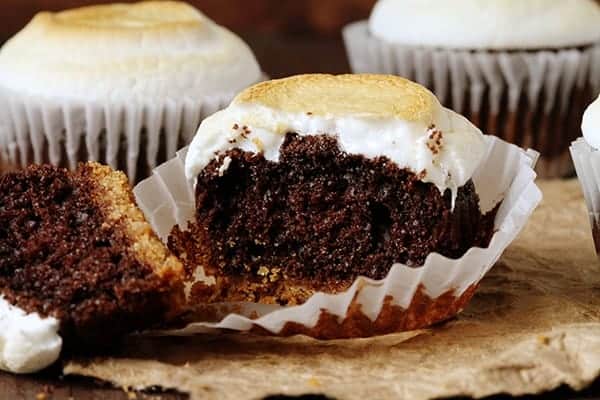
(315, 220)
(75, 247)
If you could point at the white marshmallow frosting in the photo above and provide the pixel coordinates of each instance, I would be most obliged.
(591, 124)
(487, 24)
(147, 51)
(371, 115)
(28, 342)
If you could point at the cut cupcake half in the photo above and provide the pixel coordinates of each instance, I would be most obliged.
(79, 265)
(306, 183)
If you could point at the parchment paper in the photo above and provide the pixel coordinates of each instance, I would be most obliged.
(533, 325)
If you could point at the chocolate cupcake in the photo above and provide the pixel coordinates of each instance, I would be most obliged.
(125, 84)
(326, 187)
(521, 70)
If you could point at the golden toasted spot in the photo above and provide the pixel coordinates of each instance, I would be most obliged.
(143, 16)
(358, 95)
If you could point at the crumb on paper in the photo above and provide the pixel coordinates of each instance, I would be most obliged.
(314, 382)
(545, 340)
(46, 391)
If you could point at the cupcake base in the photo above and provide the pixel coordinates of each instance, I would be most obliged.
(391, 318)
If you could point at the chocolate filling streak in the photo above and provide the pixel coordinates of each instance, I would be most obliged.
(59, 257)
(317, 219)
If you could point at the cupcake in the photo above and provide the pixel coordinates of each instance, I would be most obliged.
(124, 84)
(80, 265)
(521, 70)
(586, 157)
(349, 195)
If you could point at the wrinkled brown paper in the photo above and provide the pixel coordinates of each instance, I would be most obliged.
(533, 325)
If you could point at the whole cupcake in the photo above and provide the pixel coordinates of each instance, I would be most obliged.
(586, 157)
(521, 70)
(124, 84)
(357, 196)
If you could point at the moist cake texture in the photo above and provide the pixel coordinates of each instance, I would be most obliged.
(317, 219)
(73, 246)
(305, 183)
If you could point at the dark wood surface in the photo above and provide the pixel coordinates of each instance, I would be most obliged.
(50, 386)
(280, 55)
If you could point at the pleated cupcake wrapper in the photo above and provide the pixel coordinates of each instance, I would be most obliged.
(38, 130)
(587, 165)
(506, 175)
(527, 85)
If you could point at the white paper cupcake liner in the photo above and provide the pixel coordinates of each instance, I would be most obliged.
(506, 174)
(38, 130)
(516, 72)
(587, 165)
(507, 93)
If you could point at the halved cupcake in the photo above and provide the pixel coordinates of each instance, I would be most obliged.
(306, 183)
(79, 265)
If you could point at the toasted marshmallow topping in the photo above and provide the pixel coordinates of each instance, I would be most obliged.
(370, 115)
(487, 24)
(148, 51)
(591, 124)
(28, 342)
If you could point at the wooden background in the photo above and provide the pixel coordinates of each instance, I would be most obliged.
(312, 17)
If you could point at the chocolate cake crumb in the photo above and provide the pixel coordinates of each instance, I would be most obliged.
(320, 217)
